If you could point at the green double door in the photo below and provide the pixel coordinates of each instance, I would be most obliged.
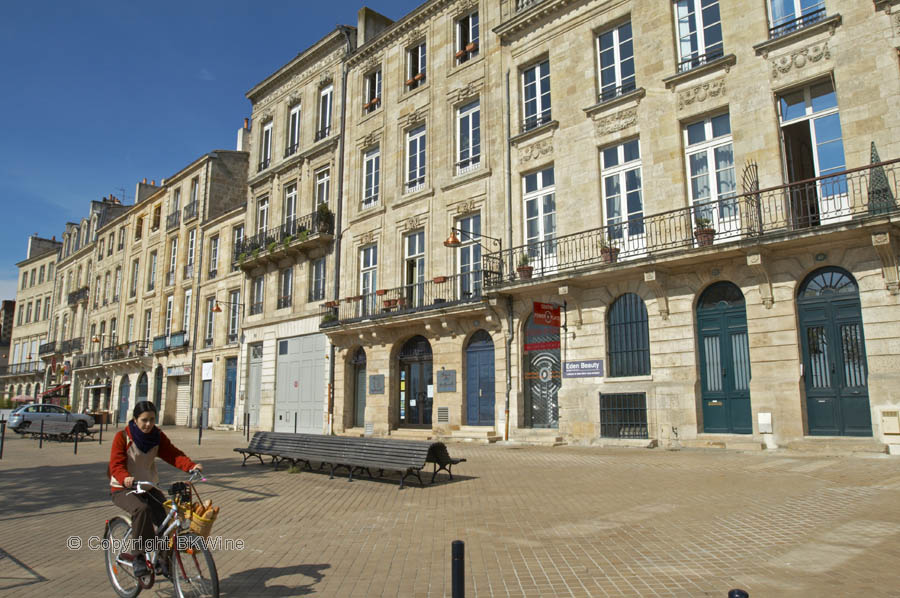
(724, 360)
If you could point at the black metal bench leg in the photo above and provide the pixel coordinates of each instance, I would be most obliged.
(261, 462)
(434, 473)
(350, 477)
(421, 485)
(331, 477)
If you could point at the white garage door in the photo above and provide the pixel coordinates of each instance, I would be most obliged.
(300, 384)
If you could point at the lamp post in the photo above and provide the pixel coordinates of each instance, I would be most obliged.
(454, 242)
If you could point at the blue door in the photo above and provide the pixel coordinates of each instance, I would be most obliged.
(480, 380)
(124, 392)
(230, 385)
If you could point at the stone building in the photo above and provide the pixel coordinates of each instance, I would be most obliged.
(26, 329)
(7, 317)
(696, 247)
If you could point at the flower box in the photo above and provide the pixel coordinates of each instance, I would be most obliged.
(332, 303)
(381, 292)
(440, 279)
(410, 81)
(471, 46)
(419, 76)
(461, 53)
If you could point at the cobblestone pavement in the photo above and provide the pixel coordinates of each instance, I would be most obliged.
(564, 521)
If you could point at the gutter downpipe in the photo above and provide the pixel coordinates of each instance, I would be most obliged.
(509, 236)
(337, 221)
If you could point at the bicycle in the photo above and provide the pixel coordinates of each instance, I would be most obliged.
(190, 564)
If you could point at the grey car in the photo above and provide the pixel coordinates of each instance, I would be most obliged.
(32, 414)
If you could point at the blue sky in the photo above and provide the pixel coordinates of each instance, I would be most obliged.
(97, 95)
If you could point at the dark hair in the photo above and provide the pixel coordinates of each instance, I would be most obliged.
(143, 407)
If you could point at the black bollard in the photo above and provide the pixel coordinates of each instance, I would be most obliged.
(247, 417)
(76, 442)
(41, 441)
(117, 419)
(295, 422)
(738, 593)
(200, 431)
(458, 550)
(101, 433)
(2, 435)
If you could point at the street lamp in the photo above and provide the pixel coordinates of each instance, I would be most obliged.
(217, 309)
(453, 242)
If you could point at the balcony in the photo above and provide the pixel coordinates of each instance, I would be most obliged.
(439, 293)
(188, 271)
(809, 17)
(172, 220)
(71, 345)
(132, 350)
(81, 294)
(178, 340)
(533, 122)
(19, 369)
(212, 274)
(160, 344)
(695, 60)
(208, 343)
(170, 279)
(291, 150)
(769, 215)
(87, 360)
(190, 210)
(256, 308)
(284, 302)
(322, 133)
(48, 349)
(300, 233)
(263, 164)
(232, 338)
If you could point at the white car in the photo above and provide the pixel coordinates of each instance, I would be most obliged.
(32, 414)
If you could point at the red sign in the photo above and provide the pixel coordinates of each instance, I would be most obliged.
(546, 314)
(544, 346)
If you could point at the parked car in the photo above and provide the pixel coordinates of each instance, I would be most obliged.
(32, 414)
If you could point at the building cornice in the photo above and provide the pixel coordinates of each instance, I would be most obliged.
(529, 16)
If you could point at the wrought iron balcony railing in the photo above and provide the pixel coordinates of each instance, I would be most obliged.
(795, 208)
(172, 220)
(297, 229)
(48, 348)
(190, 210)
(263, 164)
(291, 150)
(16, 369)
(323, 133)
(533, 122)
(440, 292)
(212, 274)
(256, 308)
(188, 271)
(232, 337)
(611, 93)
(132, 350)
(170, 278)
(695, 60)
(284, 301)
(71, 345)
(82, 294)
(811, 16)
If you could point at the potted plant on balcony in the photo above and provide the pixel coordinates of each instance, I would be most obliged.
(272, 246)
(609, 251)
(255, 253)
(410, 81)
(329, 317)
(288, 239)
(524, 268)
(390, 303)
(381, 292)
(704, 232)
(440, 279)
(401, 302)
(461, 53)
(471, 46)
(325, 218)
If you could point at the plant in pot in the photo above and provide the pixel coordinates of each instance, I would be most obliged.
(609, 250)
(471, 46)
(325, 218)
(272, 246)
(704, 232)
(329, 317)
(288, 239)
(440, 279)
(524, 268)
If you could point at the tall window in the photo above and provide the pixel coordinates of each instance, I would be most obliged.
(536, 95)
(790, 15)
(812, 131)
(135, 269)
(176, 200)
(371, 178)
(37, 310)
(157, 217)
(290, 207)
(106, 289)
(323, 128)
(468, 137)
(262, 215)
(256, 306)
(173, 260)
(372, 92)
(622, 198)
(293, 140)
(117, 288)
(33, 274)
(213, 255)
(28, 308)
(415, 66)
(368, 277)
(317, 280)
(234, 298)
(192, 238)
(129, 328)
(285, 287)
(414, 249)
(415, 159)
(210, 304)
(699, 32)
(195, 189)
(540, 214)
(113, 330)
(710, 164)
(237, 239)
(169, 305)
(47, 308)
(186, 316)
(110, 243)
(151, 272)
(467, 37)
(121, 238)
(139, 228)
(616, 61)
(323, 185)
(469, 256)
(96, 294)
(148, 324)
(628, 337)
(265, 146)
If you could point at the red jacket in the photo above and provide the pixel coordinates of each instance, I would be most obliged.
(118, 459)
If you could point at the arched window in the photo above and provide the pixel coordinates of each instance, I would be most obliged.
(628, 337)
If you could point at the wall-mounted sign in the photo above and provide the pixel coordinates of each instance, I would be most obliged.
(585, 368)
(207, 370)
(446, 380)
(376, 384)
(547, 314)
(178, 370)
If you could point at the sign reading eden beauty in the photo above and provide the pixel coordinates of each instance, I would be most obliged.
(546, 314)
(586, 368)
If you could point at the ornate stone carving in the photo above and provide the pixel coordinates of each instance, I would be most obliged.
(617, 122)
(897, 23)
(370, 139)
(700, 93)
(414, 222)
(367, 237)
(416, 117)
(536, 150)
(372, 64)
(887, 253)
(799, 59)
(325, 79)
(470, 90)
(466, 206)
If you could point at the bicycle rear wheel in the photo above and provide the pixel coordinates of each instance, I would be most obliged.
(118, 532)
(193, 569)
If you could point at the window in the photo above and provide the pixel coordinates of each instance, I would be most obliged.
(536, 95)
(415, 66)
(176, 200)
(285, 287)
(117, 289)
(237, 239)
(100, 247)
(110, 243)
(93, 332)
(317, 280)
(24, 280)
(37, 310)
(129, 328)
(469, 256)
(699, 32)
(372, 92)
(622, 198)
(210, 304)
(151, 272)
(213, 256)
(467, 37)
(415, 159)
(97, 293)
(41, 275)
(121, 238)
(540, 216)
(372, 167)
(628, 337)
(616, 61)
(709, 154)
(788, 16)
(256, 306)
(139, 229)
(192, 238)
(468, 137)
(323, 184)
(290, 207)
(148, 321)
(414, 249)
(170, 300)
(293, 140)
(47, 308)
(157, 216)
(323, 128)
(33, 276)
(262, 214)
(195, 189)
(135, 269)
(368, 277)
(265, 146)
(234, 298)
(113, 330)
(106, 288)
(173, 260)
(21, 319)
(186, 316)
(28, 311)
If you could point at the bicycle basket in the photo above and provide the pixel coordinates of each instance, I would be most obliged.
(202, 524)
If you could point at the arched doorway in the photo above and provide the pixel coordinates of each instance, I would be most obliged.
(416, 387)
(140, 393)
(480, 380)
(124, 392)
(358, 364)
(542, 375)
(724, 360)
(835, 373)
(157, 387)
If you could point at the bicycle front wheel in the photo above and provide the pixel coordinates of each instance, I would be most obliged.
(118, 532)
(193, 569)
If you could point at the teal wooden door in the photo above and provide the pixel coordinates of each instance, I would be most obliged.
(724, 360)
(835, 373)
(359, 392)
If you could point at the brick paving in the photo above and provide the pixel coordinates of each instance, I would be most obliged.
(563, 521)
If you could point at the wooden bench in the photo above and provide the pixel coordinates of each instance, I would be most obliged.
(58, 430)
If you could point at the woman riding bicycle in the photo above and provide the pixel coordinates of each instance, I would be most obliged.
(133, 457)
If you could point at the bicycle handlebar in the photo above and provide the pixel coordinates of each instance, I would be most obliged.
(138, 485)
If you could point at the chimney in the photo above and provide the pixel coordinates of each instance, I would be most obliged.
(243, 137)
(145, 180)
(153, 182)
(246, 123)
(53, 238)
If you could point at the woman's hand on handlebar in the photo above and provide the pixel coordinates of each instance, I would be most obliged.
(129, 481)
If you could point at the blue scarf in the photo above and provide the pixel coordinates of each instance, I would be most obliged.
(144, 442)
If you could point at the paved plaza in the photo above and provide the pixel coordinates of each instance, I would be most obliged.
(537, 521)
